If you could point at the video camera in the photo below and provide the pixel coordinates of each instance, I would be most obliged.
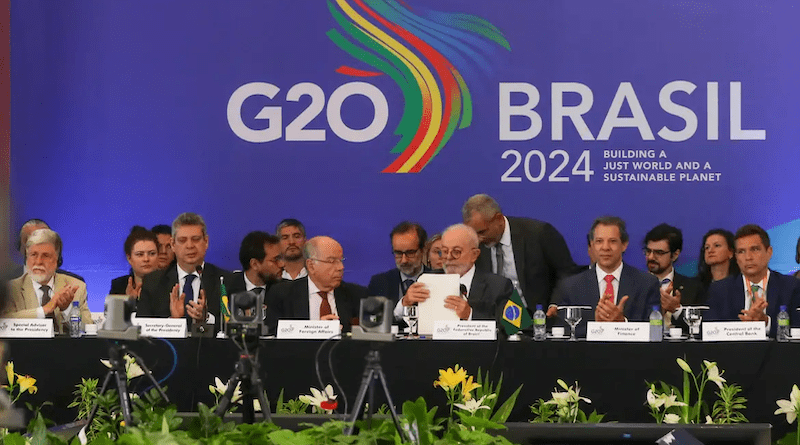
(247, 315)
(117, 324)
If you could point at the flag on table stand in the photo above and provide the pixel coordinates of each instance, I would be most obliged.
(515, 317)
(223, 300)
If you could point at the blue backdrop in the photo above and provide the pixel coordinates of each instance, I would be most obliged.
(131, 113)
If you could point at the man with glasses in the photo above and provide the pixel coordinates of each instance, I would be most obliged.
(322, 295)
(262, 264)
(662, 247)
(408, 240)
(483, 295)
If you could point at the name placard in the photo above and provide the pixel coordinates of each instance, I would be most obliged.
(308, 329)
(734, 330)
(161, 327)
(26, 328)
(632, 331)
(464, 330)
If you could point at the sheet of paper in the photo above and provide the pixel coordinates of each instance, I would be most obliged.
(432, 309)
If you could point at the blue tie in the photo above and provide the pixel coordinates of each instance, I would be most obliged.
(188, 290)
(665, 281)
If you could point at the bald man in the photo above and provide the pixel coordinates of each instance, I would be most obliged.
(322, 295)
(484, 294)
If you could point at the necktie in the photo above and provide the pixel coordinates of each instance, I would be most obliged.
(45, 294)
(498, 253)
(463, 289)
(259, 291)
(608, 294)
(188, 291)
(665, 282)
(324, 306)
(46, 297)
(753, 292)
(406, 284)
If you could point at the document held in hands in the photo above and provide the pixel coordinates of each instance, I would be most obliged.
(432, 309)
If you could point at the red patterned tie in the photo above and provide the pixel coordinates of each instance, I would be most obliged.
(608, 294)
(324, 306)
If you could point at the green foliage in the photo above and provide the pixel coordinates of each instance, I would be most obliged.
(291, 406)
(488, 388)
(726, 409)
(207, 424)
(564, 407)
(85, 394)
(543, 412)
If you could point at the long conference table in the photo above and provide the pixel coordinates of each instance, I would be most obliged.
(612, 375)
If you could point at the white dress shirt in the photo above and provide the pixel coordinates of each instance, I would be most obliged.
(303, 273)
(509, 264)
(762, 293)
(40, 294)
(182, 274)
(315, 300)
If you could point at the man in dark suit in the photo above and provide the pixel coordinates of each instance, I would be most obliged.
(758, 292)
(662, 247)
(408, 240)
(189, 287)
(322, 295)
(614, 290)
(262, 263)
(483, 294)
(529, 252)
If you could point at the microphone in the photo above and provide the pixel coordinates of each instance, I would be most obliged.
(199, 270)
(463, 289)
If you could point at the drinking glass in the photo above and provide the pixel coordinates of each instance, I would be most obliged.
(411, 318)
(694, 317)
(573, 316)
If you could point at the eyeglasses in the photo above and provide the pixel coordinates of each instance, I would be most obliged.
(655, 252)
(454, 254)
(277, 259)
(331, 261)
(398, 254)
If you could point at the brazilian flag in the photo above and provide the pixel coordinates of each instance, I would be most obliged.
(515, 316)
(223, 302)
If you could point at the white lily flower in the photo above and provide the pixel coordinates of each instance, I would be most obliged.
(655, 401)
(472, 405)
(714, 373)
(132, 369)
(790, 407)
(672, 418)
(220, 388)
(709, 420)
(324, 400)
(672, 400)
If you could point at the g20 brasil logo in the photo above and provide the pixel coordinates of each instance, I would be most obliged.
(426, 53)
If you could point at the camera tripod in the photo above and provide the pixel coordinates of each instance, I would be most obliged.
(116, 354)
(372, 372)
(246, 371)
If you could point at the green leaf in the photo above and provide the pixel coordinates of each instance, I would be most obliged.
(478, 422)
(505, 409)
(789, 439)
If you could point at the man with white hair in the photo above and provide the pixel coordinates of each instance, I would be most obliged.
(41, 292)
(483, 295)
(28, 227)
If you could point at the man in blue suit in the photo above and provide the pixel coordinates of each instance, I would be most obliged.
(614, 290)
(758, 292)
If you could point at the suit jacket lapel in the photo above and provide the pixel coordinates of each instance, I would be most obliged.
(518, 247)
(28, 294)
(301, 300)
(478, 288)
(394, 287)
(343, 304)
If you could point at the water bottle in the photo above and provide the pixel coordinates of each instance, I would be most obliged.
(656, 324)
(783, 324)
(539, 328)
(75, 321)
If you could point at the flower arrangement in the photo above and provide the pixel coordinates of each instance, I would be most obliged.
(669, 404)
(564, 407)
(321, 402)
(791, 408)
(18, 384)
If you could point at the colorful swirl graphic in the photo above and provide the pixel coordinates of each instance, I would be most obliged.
(419, 52)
